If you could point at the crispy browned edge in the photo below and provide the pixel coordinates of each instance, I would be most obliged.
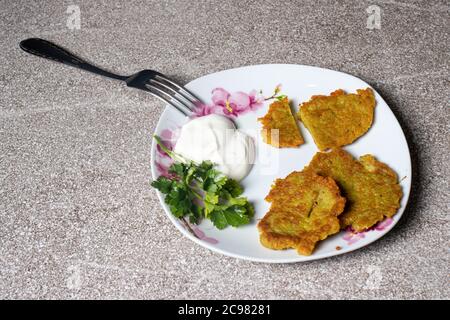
(266, 131)
(338, 92)
(303, 245)
(376, 167)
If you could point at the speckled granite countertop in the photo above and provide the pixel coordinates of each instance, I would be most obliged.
(77, 216)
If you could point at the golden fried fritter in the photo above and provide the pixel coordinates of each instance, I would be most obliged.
(304, 210)
(370, 187)
(338, 119)
(280, 117)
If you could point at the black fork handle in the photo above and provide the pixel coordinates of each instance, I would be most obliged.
(45, 49)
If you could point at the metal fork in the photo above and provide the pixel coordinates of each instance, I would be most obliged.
(150, 81)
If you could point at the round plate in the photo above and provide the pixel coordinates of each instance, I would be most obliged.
(385, 140)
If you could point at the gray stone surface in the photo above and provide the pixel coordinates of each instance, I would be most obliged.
(77, 216)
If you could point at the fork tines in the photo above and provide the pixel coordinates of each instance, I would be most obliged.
(172, 93)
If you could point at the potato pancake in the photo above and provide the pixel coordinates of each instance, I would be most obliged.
(304, 210)
(371, 188)
(280, 128)
(338, 119)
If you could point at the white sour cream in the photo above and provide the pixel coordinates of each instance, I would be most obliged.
(215, 138)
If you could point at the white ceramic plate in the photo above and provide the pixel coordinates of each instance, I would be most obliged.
(385, 140)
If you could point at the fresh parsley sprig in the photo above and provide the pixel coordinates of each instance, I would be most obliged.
(200, 191)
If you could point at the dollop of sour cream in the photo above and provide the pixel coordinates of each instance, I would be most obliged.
(216, 138)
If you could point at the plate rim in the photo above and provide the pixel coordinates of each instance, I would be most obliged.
(300, 258)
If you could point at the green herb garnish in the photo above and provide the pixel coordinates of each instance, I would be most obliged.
(200, 191)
